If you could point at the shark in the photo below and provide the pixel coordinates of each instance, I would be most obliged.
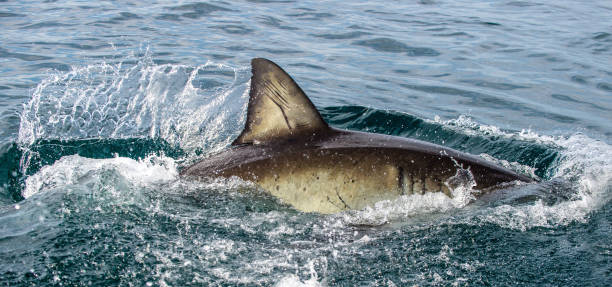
(288, 150)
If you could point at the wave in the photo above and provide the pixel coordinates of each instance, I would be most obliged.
(130, 112)
(579, 183)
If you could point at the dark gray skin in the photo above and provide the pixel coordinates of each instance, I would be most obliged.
(289, 151)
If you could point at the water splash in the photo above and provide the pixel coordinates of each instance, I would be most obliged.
(585, 164)
(71, 170)
(293, 280)
(198, 108)
(583, 168)
(276, 238)
(583, 160)
(409, 206)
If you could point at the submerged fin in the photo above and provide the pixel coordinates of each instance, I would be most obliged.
(278, 108)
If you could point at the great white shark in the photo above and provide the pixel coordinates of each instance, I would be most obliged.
(287, 149)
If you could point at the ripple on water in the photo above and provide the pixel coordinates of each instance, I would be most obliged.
(605, 86)
(168, 17)
(8, 15)
(275, 22)
(50, 65)
(311, 66)
(233, 29)
(124, 16)
(198, 10)
(566, 98)
(46, 24)
(21, 56)
(477, 99)
(602, 36)
(342, 36)
(493, 85)
(394, 46)
(311, 16)
(271, 1)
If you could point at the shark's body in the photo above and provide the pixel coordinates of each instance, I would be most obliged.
(287, 149)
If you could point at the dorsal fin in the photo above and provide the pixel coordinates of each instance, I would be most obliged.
(278, 108)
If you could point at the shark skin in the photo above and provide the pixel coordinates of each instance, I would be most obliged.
(288, 150)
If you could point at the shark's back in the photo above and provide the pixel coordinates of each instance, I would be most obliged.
(288, 150)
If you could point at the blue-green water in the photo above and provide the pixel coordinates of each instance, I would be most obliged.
(102, 103)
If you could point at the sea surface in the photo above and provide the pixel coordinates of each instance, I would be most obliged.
(102, 103)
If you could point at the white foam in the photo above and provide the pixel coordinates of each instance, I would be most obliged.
(469, 126)
(515, 166)
(404, 207)
(584, 162)
(407, 206)
(466, 125)
(75, 169)
(293, 280)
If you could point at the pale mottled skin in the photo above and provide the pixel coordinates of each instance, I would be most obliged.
(348, 170)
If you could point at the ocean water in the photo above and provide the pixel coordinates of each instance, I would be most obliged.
(102, 103)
